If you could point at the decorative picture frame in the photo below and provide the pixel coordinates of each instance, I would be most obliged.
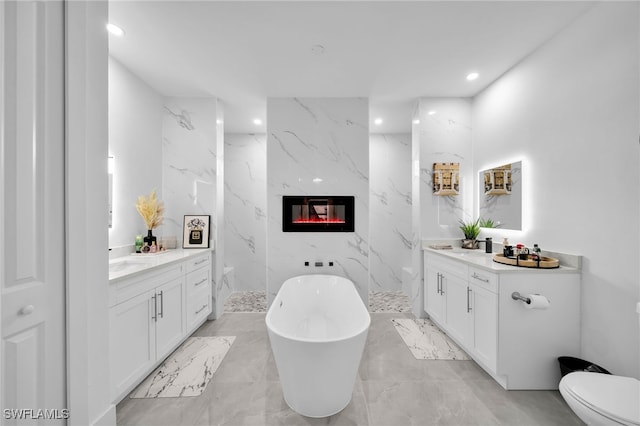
(195, 231)
(446, 179)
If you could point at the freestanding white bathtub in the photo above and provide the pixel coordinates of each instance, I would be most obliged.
(317, 326)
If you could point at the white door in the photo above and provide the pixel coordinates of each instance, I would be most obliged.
(32, 287)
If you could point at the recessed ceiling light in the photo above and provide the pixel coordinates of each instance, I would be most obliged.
(257, 121)
(472, 76)
(432, 112)
(416, 121)
(377, 121)
(115, 30)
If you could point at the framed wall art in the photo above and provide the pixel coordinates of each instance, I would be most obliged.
(446, 178)
(196, 231)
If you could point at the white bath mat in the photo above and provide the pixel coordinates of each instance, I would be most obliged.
(188, 370)
(426, 341)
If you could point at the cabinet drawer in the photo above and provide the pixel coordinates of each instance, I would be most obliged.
(198, 280)
(128, 288)
(198, 307)
(484, 279)
(447, 266)
(198, 262)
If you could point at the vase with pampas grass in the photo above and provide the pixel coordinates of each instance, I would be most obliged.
(151, 209)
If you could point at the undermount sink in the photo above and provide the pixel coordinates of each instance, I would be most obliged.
(470, 253)
(127, 265)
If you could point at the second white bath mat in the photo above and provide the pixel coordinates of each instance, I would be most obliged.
(426, 341)
(187, 371)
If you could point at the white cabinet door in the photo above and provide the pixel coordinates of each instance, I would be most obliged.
(484, 312)
(433, 297)
(170, 322)
(132, 342)
(457, 308)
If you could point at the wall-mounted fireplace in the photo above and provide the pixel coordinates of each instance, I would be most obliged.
(317, 213)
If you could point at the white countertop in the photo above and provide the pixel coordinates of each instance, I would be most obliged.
(480, 259)
(136, 263)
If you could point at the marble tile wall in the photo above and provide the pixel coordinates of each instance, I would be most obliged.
(190, 151)
(390, 201)
(317, 146)
(445, 137)
(442, 134)
(245, 209)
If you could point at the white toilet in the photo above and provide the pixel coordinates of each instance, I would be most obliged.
(603, 399)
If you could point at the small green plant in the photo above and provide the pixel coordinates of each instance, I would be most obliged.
(488, 223)
(471, 230)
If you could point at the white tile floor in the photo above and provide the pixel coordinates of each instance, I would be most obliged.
(393, 388)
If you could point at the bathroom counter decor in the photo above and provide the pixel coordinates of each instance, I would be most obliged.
(544, 263)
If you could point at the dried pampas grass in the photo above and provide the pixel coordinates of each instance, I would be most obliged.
(151, 210)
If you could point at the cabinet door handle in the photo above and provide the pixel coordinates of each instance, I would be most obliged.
(202, 281)
(202, 309)
(438, 283)
(468, 301)
(442, 284)
(161, 314)
(200, 261)
(479, 277)
(155, 308)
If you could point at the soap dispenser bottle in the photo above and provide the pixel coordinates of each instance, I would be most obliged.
(536, 253)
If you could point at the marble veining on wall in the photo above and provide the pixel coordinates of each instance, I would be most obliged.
(189, 156)
(390, 189)
(317, 146)
(192, 151)
(245, 205)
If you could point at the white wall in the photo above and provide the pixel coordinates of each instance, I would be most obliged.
(325, 138)
(390, 205)
(570, 112)
(245, 209)
(135, 142)
(88, 397)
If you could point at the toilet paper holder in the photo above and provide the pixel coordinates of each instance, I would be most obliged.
(516, 296)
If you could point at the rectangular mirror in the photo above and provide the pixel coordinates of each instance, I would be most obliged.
(500, 197)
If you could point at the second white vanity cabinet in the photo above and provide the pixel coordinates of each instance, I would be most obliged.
(469, 297)
(464, 304)
(147, 323)
(152, 311)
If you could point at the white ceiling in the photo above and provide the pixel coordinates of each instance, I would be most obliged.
(392, 52)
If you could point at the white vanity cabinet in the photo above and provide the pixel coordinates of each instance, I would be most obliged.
(469, 298)
(152, 311)
(458, 302)
(145, 323)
